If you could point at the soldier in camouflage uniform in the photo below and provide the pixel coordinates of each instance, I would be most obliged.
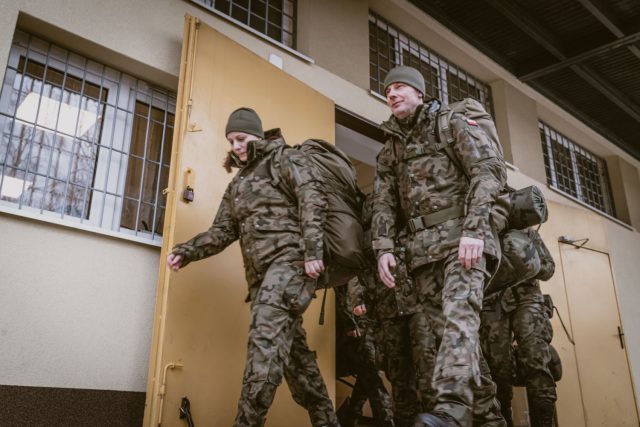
(359, 349)
(406, 343)
(419, 187)
(282, 247)
(520, 312)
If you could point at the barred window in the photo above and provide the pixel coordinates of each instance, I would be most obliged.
(273, 18)
(83, 142)
(576, 171)
(389, 47)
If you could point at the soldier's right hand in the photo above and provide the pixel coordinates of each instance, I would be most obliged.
(385, 263)
(360, 310)
(174, 261)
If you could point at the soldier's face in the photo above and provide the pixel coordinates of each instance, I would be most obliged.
(402, 99)
(238, 141)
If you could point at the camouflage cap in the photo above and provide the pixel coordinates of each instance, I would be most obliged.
(244, 120)
(407, 75)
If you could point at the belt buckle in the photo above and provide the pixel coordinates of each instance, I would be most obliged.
(416, 224)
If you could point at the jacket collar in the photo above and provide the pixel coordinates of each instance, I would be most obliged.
(424, 112)
(256, 150)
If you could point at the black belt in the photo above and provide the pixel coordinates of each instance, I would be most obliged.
(423, 222)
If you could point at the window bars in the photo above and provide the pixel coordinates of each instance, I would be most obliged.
(83, 142)
(576, 171)
(389, 47)
(275, 19)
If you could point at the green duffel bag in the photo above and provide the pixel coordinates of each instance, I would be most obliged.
(520, 261)
(524, 257)
(527, 208)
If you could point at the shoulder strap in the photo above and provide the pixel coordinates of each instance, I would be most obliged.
(275, 172)
(444, 135)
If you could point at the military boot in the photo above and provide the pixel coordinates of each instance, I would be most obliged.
(435, 419)
(346, 415)
(542, 413)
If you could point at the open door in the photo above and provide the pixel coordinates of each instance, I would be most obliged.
(201, 319)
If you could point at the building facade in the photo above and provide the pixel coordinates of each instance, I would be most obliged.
(88, 107)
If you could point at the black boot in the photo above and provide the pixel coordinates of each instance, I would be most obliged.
(435, 419)
(346, 415)
(542, 413)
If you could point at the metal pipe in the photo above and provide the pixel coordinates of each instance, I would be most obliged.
(163, 386)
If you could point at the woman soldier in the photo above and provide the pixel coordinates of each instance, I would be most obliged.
(282, 248)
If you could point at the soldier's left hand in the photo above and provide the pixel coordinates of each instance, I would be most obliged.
(470, 251)
(314, 268)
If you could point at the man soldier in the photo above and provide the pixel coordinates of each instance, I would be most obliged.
(446, 212)
(282, 247)
(520, 312)
(405, 341)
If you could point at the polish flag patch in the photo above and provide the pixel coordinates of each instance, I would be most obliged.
(472, 122)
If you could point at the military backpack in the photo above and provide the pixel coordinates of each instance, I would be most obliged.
(343, 232)
(523, 253)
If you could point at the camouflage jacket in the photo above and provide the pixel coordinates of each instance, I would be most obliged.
(415, 179)
(381, 301)
(271, 227)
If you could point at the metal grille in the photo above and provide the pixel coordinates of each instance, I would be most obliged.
(575, 170)
(389, 47)
(273, 18)
(83, 142)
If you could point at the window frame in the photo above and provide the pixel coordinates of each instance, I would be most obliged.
(115, 118)
(292, 50)
(556, 179)
(405, 42)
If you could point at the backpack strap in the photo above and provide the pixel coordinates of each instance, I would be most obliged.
(274, 171)
(444, 135)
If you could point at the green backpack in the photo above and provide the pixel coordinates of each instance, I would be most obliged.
(343, 232)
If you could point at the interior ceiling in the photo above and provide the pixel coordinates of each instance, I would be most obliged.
(581, 54)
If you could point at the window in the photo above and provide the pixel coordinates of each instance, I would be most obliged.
(273, 18)
(83, 142)
(389, 47)
(576, 171)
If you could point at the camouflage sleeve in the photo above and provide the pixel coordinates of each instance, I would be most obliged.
(302, 176)
(385, 204)
(486, 171)
(356, 292)
(221, 234)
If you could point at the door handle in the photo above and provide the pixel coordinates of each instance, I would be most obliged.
(621, 337)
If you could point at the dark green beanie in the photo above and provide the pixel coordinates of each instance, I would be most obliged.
(244, 120)
(407, 75)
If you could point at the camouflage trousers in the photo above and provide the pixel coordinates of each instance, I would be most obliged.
(407, 356)
(519, 313)
(361, 352)
(278, 348)
(452, 300)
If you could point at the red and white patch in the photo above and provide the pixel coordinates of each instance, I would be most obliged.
(472, 122)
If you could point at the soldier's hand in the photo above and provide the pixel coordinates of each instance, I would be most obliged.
(470, 251)
(174, 261)
(385, 264)
(360, 310)
(314, 268)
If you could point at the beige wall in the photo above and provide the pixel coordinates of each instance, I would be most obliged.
(518, 130)
(76, 308)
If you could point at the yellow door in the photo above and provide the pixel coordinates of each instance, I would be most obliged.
(201, 319)
(595, 389)
(603, 368)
